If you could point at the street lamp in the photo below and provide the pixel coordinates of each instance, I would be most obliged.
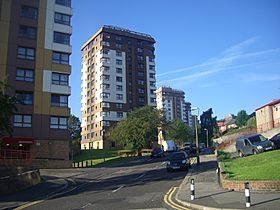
(206, 137)
(196, 135)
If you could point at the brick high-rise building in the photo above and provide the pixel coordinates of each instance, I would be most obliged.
(173, 103)
(118, 75)
(34, 59)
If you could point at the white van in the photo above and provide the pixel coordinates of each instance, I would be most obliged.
(169, 146)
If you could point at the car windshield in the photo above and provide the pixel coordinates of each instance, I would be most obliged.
(256, 139)
(178, 156)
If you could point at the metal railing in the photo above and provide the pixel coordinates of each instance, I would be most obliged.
(14, 154)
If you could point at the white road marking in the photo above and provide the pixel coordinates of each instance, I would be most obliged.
(163, 163)
(120, 187)
(88, 204)
(140, 176)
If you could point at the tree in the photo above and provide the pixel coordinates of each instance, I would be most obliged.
(210, 123)
(251, 122)
(180, 132)
(8, 109)
(74, 128)
(139, 129)
(241, 118)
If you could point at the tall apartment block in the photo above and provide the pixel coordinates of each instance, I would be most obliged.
(35, 49)
(173, 103)
(118, 75)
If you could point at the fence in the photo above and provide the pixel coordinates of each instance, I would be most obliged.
(14, 154)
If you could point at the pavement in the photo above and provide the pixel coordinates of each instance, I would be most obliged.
(209, 194)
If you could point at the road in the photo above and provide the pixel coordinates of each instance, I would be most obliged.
(140, 184)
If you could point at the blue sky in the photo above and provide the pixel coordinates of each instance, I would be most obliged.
(225, 55)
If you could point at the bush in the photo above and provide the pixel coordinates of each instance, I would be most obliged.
(223, 156)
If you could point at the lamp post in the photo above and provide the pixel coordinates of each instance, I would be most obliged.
(206, 137)
(196, 135)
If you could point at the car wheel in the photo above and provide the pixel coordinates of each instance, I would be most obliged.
(254, 152)
(240, 154)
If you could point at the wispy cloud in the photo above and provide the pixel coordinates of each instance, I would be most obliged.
(208, 72)
(225, 57)
(253, 77)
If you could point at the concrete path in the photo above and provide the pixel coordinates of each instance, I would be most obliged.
(209, 195)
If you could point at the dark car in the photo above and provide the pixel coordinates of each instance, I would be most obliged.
(157, 152)
(276, 141)
(178, 161)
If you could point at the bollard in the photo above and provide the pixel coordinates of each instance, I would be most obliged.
(247, 194)
(87, 164)
(192, 189)
(91, 162)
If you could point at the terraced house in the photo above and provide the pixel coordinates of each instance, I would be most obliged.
(118, 75)
(35, 50)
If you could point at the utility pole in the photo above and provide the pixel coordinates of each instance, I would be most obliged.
(207, 144)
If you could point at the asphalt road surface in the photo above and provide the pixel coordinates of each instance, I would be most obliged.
(139, 184)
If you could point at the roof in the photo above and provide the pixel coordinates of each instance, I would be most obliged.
(121, 32)
(277, 101)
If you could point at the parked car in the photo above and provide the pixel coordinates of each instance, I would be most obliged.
(178, 160)
(157, 152)
(276, 141)
(252, 144)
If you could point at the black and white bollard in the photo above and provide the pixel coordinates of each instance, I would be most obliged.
(192, 189)
(247, 195)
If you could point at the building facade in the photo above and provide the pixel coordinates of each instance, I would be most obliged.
(268, 116)
(35, 50)
(118, 75)
(173, 103)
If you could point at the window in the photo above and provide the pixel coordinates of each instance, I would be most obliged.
(24, 121)
(105, 43)
(140, 66)
(119, 114)
(119, 62)
(119, 96)
(66, 3)
(59, 122)
(140, 82)
(105, 60)
(140, 90)
(27, 32)
(140, 58)
(152, 100)
(118, 38)
(152, 76)
(61, 38)
(105, 95)
(105, 123)
(119, 70)
(141, 99)
(105, 86)
(118, 45)
(105, 77)
(60, 79)
(152, 84)
(105, 51)
(140, 50)
(60, 58)
(152, 91)
(105, 114)
(62, 18)
(24, 98)
(105, 104)
(140, 74)
(151, 59)
(151, 67)
(119, 106)
(29, 12)
(104, 68)
(119, 87)
(59, 100)
(25, 75)
(26, 53)
(119, 79)
(119, 54)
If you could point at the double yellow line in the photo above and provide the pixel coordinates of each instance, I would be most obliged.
(169, 202)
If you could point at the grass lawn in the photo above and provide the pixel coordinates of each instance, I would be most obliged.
(102, 157)
(263, 166)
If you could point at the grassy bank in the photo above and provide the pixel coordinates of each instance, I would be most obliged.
(263, 166)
